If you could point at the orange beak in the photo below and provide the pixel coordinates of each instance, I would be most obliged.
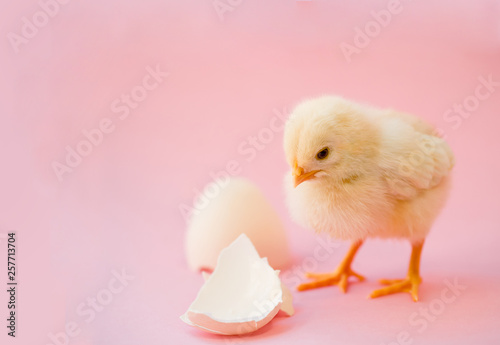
(301, 176)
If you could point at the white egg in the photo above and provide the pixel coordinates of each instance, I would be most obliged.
(227, 209)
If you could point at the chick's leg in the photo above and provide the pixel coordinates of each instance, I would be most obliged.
(339, 276)
(410, 283)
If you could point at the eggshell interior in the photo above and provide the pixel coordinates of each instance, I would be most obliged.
(226, 210)
(286, 305)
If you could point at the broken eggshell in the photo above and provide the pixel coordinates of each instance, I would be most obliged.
(286, 306)
(242, 294)
(226, 209)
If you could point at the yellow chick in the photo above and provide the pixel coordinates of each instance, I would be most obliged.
(361, 172)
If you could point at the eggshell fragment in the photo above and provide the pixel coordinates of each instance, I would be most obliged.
(286, 306)
(227, 209)
(242, 294)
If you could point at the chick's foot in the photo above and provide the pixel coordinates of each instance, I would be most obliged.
(338, 277)
(409, 284)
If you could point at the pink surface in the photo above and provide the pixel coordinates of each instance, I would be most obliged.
(118, 209)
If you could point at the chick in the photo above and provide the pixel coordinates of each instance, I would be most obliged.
(359, 172)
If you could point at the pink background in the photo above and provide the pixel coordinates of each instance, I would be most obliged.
(120, 207)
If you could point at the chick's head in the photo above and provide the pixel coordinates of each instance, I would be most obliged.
(329, 139)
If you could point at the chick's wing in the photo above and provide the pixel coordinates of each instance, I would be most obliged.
(412, 160)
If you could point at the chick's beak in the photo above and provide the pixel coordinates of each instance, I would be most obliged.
(301, 176)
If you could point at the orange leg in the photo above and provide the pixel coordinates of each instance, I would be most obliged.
(410, 283)
(338, 277)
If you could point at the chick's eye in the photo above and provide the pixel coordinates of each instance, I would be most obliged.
(323, 153)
